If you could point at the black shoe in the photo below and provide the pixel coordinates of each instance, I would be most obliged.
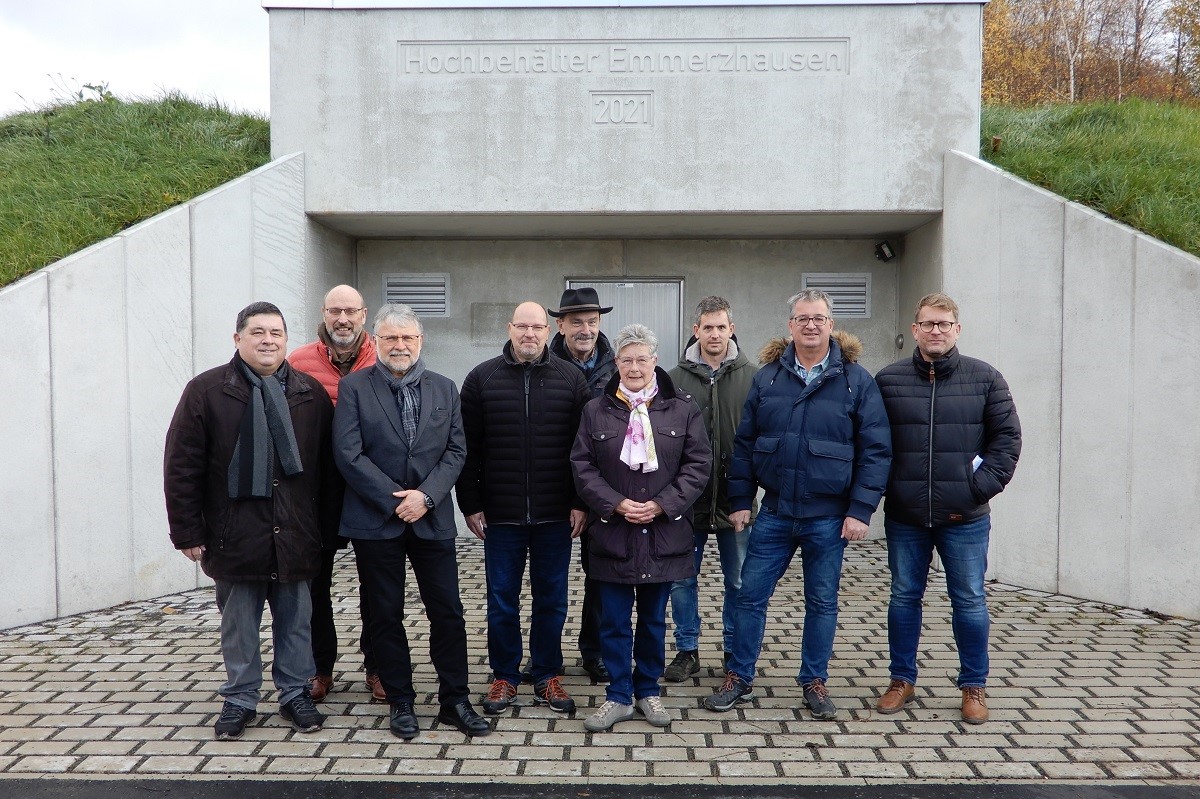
(463, 717)
(302, 713)
(403, 723)
(232, 721)
(685, 664)
(596, 669)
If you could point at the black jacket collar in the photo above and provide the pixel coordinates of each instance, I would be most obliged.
(942, 368)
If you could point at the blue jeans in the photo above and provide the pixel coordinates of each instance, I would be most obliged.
(620, 645)
(685, 594)
(963, 549)
(241, 606)
(772, 543)
(506, 548)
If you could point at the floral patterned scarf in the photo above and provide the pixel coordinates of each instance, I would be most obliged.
(638, 449)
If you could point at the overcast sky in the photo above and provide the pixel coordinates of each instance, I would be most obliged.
(207, 49)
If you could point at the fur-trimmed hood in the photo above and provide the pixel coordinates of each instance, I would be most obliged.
(851, 347)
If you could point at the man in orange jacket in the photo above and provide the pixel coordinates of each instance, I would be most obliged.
(342, 346)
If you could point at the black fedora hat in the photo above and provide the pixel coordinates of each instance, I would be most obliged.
(577, 300)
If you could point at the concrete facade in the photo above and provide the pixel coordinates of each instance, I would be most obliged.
(1094, 326)
(693, 121)
(84, 525)
(488, 279)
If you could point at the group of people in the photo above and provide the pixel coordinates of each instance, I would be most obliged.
(272, 463)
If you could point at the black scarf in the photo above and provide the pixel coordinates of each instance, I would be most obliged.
(266, 430)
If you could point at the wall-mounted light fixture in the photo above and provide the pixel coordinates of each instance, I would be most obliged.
(884, 251)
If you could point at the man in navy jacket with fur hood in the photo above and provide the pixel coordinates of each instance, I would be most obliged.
(814, 435)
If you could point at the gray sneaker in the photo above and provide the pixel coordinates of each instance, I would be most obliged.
(607, 715)
(685, 664)
(818, 701)
(652, 708)
(731, 692)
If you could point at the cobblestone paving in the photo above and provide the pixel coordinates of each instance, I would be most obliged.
(1079, 692)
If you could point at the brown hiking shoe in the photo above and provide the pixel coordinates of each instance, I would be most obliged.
(898, 694)
(376, 688)
(319, 686)
(974, 705)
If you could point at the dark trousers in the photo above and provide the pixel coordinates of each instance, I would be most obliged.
(506, 550)
(589, 617)
(645, 647)
(324, 633)
(381, 569)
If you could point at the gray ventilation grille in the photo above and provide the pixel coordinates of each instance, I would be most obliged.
(851, 293)
(428, 294)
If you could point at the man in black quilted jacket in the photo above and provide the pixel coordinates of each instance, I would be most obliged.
(521, 412)
(955, 443)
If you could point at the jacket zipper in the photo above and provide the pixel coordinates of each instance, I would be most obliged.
(715, 404)
(528, 370)
(932, 400)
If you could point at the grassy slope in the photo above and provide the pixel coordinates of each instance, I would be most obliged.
(72, 175)
(1138, 162)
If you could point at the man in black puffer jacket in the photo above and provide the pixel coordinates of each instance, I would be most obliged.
(955, 443)
(520, 413)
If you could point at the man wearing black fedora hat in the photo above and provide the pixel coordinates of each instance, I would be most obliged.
(580, 342)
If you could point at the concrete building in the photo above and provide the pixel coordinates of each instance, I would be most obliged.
(466, 158)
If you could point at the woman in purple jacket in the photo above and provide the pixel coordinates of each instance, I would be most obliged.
(640, 460)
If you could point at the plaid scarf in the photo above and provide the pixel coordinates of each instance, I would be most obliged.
(408, 396)
(266, 431)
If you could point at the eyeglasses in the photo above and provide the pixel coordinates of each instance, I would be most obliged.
(943, 326)
(641, 362)
(390, 341)
(336, 312)
(523, 328)
(803, 321)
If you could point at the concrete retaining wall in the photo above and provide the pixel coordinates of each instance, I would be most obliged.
(109, 336)
(1094, 325)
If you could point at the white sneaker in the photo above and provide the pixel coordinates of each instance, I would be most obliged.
(652, 708)
(607, 715)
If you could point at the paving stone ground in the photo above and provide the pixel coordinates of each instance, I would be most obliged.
(1079, 692)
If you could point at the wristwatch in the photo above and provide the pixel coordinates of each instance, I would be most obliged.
(428, 500)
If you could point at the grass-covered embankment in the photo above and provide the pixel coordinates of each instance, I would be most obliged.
(75, 174)
(1137, 161)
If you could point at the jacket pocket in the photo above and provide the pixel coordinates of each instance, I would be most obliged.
(765, 458)
(609, 541)
(672, 539)
(830, 468)
(668, 444)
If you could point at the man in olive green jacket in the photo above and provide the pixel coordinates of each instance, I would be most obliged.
(715, 371)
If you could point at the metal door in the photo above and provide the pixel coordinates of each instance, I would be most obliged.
(656, 302)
